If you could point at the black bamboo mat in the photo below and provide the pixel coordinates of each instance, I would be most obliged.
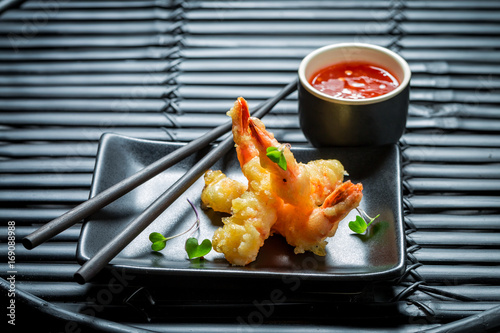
(168, 70)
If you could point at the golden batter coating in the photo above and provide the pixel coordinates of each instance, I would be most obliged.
(302, 202)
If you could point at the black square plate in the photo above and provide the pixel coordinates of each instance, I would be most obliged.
(378, 255)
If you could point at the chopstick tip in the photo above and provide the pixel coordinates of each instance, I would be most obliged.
(79, 278)
(27, 243)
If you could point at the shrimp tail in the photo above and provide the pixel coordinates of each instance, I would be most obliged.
(245, 147)
(309, 234)
(244, 113)
(342, 200)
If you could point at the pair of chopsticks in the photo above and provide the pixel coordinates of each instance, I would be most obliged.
(135, 227)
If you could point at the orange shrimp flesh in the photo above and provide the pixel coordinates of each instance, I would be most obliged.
(293, 184)
(306, 228)
(243, 140)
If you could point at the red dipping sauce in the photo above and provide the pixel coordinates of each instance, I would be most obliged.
(354, 80)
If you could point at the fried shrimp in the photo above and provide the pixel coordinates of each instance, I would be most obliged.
(300, 220)
(244, 232)
(302, 202)
(307, 227)
(254, 211)
(292, 185)
(220, 191)
(325, 176)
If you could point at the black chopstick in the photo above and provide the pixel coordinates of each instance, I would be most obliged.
(104, 198)
(134, 228)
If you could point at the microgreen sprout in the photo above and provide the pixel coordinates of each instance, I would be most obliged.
(192, 248)
(359, 225)
(195, 250)
(277, 155)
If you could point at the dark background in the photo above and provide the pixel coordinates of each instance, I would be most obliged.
(168, 70)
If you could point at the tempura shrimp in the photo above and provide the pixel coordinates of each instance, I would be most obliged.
(300, 220)
(254, 212)
(304, 203)
(220, 191)
(306, 227)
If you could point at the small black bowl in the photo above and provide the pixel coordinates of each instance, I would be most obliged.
(332, 121)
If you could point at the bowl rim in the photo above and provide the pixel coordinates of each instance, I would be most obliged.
(308, 58)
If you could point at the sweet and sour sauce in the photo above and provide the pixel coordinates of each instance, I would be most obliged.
(354, 80)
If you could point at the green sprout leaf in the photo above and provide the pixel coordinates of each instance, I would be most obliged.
(195, 250)
(359, 225)
(277, 156)
(282, 161)
(158, 240)
(156, 237)
(273, 153)
(158, 246)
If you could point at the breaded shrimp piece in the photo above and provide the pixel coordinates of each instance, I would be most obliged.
(307, 229)
(254, 212)
(245, 231)
(293, 185)
(325, 176)
(300, 220)
(219, 191)
(316, 178)
(304, 202)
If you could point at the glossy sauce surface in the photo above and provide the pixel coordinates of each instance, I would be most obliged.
(354, 80)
